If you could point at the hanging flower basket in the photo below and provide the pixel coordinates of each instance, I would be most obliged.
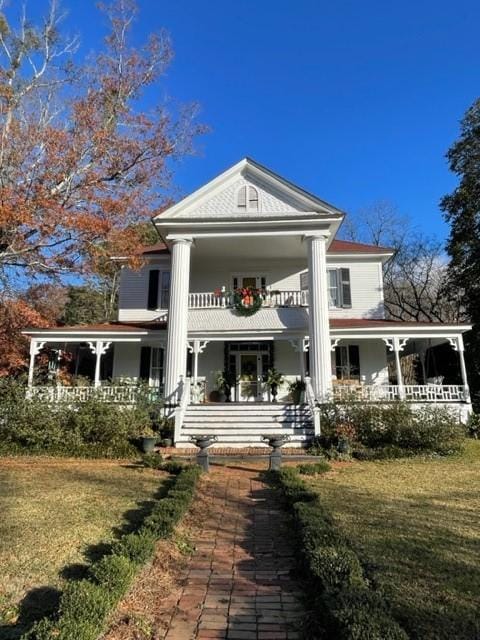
(247, 301)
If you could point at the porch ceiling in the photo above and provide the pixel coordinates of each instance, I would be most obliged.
(249, 247)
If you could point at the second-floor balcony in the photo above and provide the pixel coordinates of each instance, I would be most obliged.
(226, 299)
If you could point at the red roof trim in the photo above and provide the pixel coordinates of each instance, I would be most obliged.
(345, 246)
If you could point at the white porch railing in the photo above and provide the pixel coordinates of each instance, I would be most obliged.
(212, 300)
(388, 393)
(313, 406)
(126, 395)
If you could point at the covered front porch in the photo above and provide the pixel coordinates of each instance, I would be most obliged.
(371, 361)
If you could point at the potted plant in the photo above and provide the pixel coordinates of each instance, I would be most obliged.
(296, 389)
(224, 381)
(274, 380)
(148, 439)
(167, 433)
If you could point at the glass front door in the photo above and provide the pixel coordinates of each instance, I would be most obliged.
(250, 387)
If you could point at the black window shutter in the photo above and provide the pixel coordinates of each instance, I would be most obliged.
(145, 355)
(345, 283)
(354, 359)
(153, 277)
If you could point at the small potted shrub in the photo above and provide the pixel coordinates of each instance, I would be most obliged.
(296, 389)
(274, 380)
(167, 434)
(148, 439)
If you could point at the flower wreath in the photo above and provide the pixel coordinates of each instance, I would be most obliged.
(247, 301)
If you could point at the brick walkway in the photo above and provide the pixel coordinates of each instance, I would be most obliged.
(238, 583)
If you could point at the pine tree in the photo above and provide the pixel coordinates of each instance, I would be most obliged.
(462, 211)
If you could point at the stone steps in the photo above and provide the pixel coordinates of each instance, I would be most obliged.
(240, 425)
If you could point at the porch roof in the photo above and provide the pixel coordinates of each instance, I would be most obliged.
(222, 321)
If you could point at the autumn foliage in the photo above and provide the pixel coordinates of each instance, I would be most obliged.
(15, 315)
(81, 160)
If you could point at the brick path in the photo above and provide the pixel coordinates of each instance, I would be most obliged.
(238, 584)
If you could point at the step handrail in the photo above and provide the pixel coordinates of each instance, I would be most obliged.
(184, 389)
(312, 405)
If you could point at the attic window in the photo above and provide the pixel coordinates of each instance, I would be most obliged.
(247, 198)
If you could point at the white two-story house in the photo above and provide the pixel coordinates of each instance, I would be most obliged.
(248, 276)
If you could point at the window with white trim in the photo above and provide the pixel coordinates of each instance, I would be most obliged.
(339, 291)
(156, 367)
(347, 362)
(247, 198)
(164, 289)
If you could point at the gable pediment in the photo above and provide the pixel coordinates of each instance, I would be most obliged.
(220, 197)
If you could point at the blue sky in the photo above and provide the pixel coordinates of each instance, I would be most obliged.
(354, 101)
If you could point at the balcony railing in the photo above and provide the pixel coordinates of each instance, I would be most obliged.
(223, 300)
(389, 393)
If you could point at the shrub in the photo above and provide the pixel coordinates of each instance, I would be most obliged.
(342, 605)
(312, 469)
(361, 614)
(335, 566)
(393, 430)
(89, 429)
(85, 605)
(173, 466)
(137, 547)
(114, 573)
(473, 425)
(153, 461)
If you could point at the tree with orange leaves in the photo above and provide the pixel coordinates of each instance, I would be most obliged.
(81, 163)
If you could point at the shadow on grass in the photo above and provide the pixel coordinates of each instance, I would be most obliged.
(43, 601)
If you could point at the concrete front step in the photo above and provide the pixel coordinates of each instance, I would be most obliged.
(239, 425)
(245, 420)
(245, 406)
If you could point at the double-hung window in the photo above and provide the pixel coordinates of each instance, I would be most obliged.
(158, 289)
(339, 292)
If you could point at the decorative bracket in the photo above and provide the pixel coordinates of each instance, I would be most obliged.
(389, 343)
(197, 346)
(306, 344)
(36, 347)
(100, 345)
(395, 344)
(334, 343)
(454, 343)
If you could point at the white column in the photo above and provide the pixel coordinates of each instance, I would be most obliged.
(99, 348)
(319, 349)
(397, 348)
(463, 369)
(177, 326)
(35, 348)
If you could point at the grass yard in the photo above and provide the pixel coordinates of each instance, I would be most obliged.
(53, 513)
(416, 525)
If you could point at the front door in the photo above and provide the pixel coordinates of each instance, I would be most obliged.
(250, 386)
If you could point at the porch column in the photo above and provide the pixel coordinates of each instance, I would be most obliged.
(35, 348)
(99, 348)
(319, 330)
(175, 364)
(397, 347)
(463, 369)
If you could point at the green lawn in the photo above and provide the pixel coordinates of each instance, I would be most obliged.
(416, 526)
(53, 512)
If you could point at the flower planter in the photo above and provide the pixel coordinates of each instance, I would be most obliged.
(148, 443)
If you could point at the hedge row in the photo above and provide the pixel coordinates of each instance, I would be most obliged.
(85, 605)
(343, 604)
